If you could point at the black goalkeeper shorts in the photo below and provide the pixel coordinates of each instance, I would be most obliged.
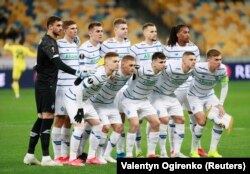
(45, 97)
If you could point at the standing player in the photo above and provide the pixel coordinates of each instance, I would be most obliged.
(103, 102)
(90, 52)
(136, 105)
(19, 52)
(78, 108)
(178, 43)
(48, 63)
(201, 96)
(166, 103)
(143, 52)
(121, 45)
(68, 51)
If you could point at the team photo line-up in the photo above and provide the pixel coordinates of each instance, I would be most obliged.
(98, 85)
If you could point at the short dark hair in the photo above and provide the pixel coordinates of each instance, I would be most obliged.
(146, 25)
(119, 21)
(188, 53)
(94, 24)
(127, 58)
(213, 53)
(52, 19)
(158, 55)
(111, 54)
(66, 24)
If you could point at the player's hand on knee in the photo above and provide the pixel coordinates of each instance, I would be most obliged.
(79, 116)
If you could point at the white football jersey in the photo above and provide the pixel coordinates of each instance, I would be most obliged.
(99, 78)
(109, 90)
(171, 78)
(112, 45)
(141, 84)
(176, 52)
(204, 81)
(69, 55)
(143, 52)
(91, 55)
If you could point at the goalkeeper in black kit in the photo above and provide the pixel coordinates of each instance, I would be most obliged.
(48, 63)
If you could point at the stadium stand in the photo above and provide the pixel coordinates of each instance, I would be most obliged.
(217, 24)
(32, 15)
(223, 25)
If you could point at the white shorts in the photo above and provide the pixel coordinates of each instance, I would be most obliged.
(118, 97)
(166, 105)
(89, 111)
(60, 103)
(137, 108)
(108, 113)
(200, 104)
(182, 97)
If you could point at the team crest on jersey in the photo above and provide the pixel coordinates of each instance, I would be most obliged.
(128, 112)
(62, 108)
(193, 108)
(53, 49)
(81, 56)
(52, 106)
(158, 112)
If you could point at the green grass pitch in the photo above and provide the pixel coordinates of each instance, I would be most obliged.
(17, 117)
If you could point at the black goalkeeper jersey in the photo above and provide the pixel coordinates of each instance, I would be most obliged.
(46, 69)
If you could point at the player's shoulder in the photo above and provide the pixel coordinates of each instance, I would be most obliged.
(147, 70)
(157, 43)
(190, 43)
(222, 68)
(47, 40)
(84, 45)
(126, 40)
(174, 65)
(61, 42)
(100, 71)
(174, 62)
(138, 45)
(201, 65)
(109, 40)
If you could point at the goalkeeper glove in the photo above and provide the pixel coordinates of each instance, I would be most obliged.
(81, 74)
(79, 116)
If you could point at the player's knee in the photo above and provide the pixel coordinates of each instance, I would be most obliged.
(105, 128)
(134, 126)
(67, 123)
(155, 124)
(59, 120)
(118, 128)
(47, 115)
(201, 122)
(179, 120)
(164, 120)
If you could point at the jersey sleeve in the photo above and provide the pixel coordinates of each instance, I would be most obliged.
(8, 47)
(30, 53)
(50, 48)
